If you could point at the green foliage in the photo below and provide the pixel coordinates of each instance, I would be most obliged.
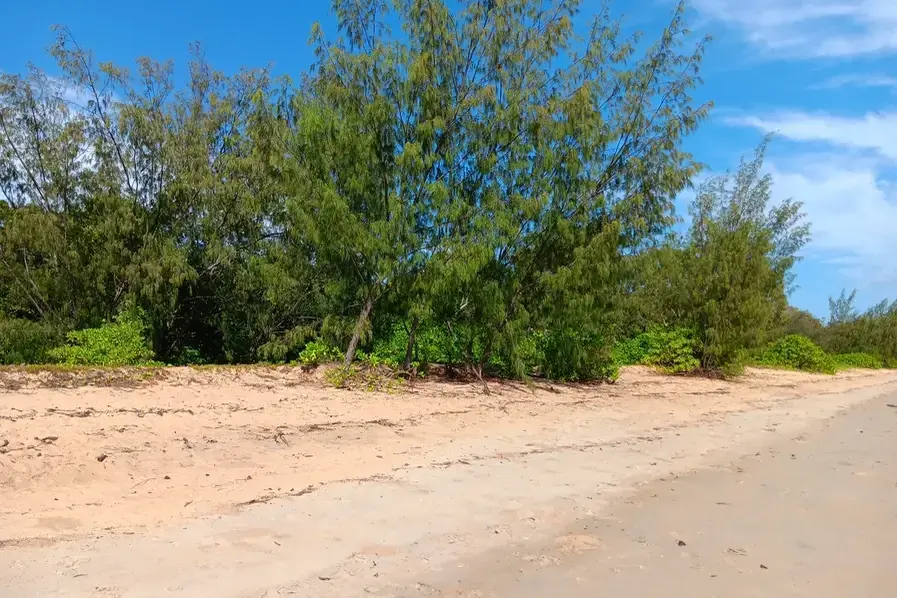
(475, 172)
(318, 353)
(26, 341)
(633, 351)
(288, 345)
(470, 184)
(676, 354)
(735, 367)
(364, 376)
(737, 306)
(190, 356)
(842, 310)
(434, 344)
(389, 348)
(797, 353)
(117, 343)
(873, 332)
(673, 351)
(858, 360)
(741, 251)
(570, 356)
(798, 321)
(727, 278)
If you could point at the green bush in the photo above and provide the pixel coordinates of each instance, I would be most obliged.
(858, 360)
(797, 353)
(25, 341)
(567, 356)
(633, 351)
(376, 359)
(363, 377)
(317, 353)
(389, 350)
(673, 351)
(286, 347)
(120, 342)
(432, 344)
(676, 354)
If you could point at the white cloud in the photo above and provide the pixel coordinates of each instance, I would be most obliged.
(853, 212)
(811, 28)
(875, 131)
(847, 194)
(860, 80)
(841, 166)
(75, 95)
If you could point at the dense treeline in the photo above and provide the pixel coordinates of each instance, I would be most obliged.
(481, 188)
(849, 331)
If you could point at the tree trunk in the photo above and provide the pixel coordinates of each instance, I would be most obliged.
(410, 351)
(487, 353)
(359, 328)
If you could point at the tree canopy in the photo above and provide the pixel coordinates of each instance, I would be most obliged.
(488, 185)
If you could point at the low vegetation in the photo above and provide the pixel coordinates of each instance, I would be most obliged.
(673, 351)
(24, 341)
(798, 353)
(117, 343)
(858, 360)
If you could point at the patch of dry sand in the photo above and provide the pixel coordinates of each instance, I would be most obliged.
(194, 443)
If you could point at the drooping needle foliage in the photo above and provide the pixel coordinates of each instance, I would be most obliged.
(482, 184)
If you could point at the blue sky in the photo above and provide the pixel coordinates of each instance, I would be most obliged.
(821, 74)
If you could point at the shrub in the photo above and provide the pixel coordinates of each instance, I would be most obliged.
(673, 351)
(25, 341)
(634, 351)
(567, 356)
(286, 346)
(376, 359)
(390, 349)
(858, 360)
(802, 322)
(798, 353)
(432, 344)
(872, 333)
(364, 377)
(317, 353)
(676, 353)
(563, 355)
(120, 342)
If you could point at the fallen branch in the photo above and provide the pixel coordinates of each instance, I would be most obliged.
(269, 497)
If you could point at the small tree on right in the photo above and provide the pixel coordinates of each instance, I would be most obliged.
(739, 256)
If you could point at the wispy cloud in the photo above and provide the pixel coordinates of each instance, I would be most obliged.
(874, 131)
(811, 28)
(860, 81)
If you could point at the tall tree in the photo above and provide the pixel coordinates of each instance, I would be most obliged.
(573, 161)
(119, 187)
(493, 149)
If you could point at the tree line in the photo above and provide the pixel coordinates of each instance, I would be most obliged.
(475, 184)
